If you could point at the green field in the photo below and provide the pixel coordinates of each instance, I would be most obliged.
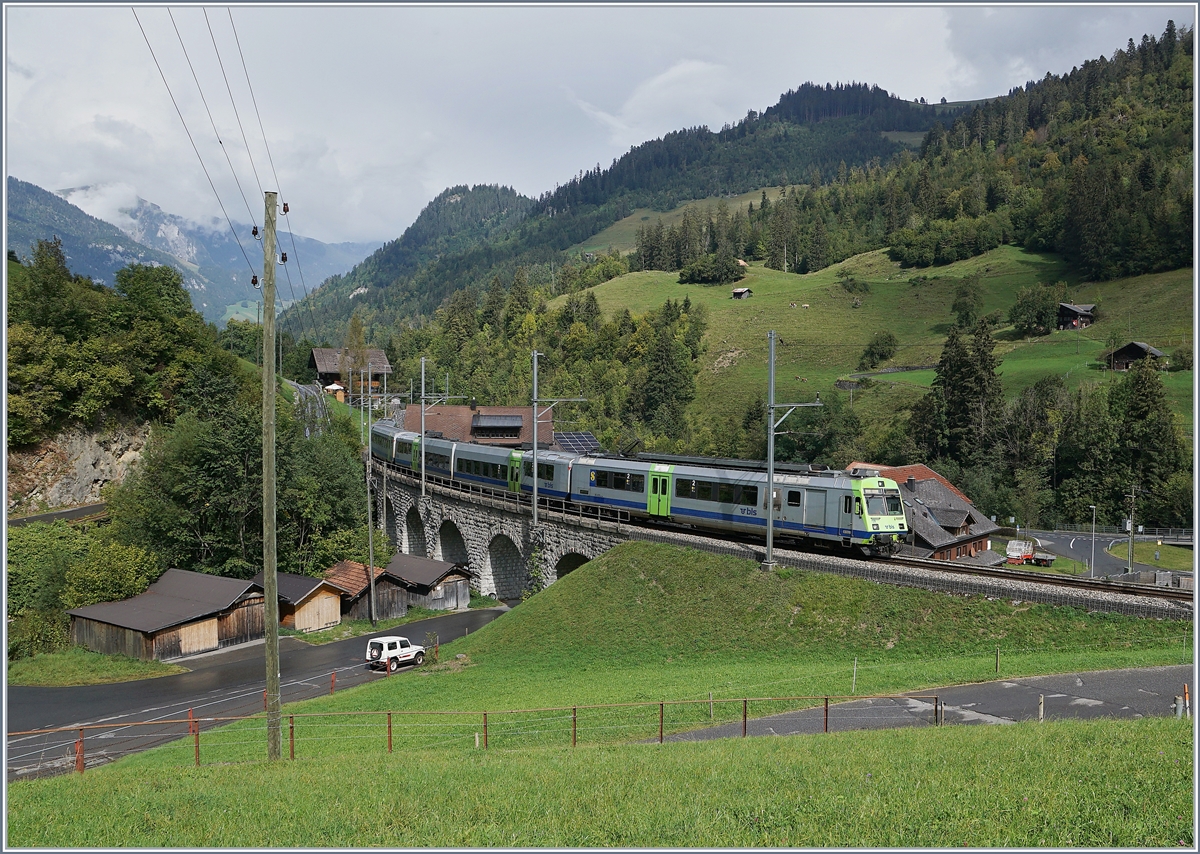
(78, 666)
(1169, 557)
(818, 345)
(647, 623)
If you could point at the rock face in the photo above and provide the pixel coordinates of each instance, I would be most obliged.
(69, 469)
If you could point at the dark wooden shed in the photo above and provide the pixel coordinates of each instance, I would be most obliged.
(391, 599)
(434, 584)
(1134, 351)
(1072, 316)
(183, 613)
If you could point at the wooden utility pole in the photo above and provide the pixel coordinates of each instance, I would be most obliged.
(270, 582)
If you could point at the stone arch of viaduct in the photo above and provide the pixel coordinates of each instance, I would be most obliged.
(498, 542)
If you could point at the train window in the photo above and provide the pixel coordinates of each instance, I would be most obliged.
(528, 469)
(725, 493)
(846, 504)
(749, 496)
(545, 471)
(893, 506)
(602, 479)
(794, 496)
(685, 488)
(619, 480)
(704, 491)
(637, 483)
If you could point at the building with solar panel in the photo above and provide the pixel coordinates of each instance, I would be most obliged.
(501, 426)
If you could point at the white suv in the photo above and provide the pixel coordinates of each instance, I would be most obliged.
(392, 651)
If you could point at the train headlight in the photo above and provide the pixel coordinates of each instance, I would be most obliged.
(874, 527)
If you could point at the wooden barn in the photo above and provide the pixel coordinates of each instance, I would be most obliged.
(183, 613)
(434, 584)
(391, 599)
(306, 604)
(1134, 351)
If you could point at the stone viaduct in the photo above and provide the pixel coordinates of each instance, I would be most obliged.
(496, 538)
(493, 535)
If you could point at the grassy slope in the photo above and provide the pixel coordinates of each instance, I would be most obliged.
(648, 622)
(824, 342)
(77, 666)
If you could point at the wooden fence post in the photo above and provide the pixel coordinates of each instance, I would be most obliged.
(332, 681)
(485, 730)
(826, 714)
(745, 709)
(194, 727)
(574, 723)
(292, 735)
(389, 732)
(661, 707)
(79, 752)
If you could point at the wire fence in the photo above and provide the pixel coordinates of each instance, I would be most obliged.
(197, 740)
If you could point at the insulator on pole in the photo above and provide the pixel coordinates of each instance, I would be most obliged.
(285, 208)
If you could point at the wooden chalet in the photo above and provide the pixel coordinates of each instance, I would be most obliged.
(742, 293)
(1134, 351)
(306, 604)
(183, 613)
(1071, 316)
(503, 426)
(434, 584)
(350, 577)
(944, 524)
(338, 365)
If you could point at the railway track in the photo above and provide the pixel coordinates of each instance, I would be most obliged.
(1070, 581)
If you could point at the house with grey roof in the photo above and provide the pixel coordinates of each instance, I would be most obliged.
(438, 585)
(306, 604)
(1072, 316)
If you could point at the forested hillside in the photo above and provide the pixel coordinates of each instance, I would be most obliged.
(814, 131)
(79, 352)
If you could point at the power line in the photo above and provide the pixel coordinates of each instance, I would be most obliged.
(216, 133)
(236, 115)
(191, 140)
(271, 160)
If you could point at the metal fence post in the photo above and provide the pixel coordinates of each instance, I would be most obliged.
(389, 732)
(292, 736)
(79, 752)
(826, 714)
(745, 708)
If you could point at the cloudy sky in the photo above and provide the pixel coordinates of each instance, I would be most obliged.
(370, 111)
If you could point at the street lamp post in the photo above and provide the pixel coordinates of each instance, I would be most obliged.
(1092, 567)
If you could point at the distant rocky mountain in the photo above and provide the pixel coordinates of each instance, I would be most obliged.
(214, 268)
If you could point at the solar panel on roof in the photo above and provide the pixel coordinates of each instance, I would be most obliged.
(581, 442)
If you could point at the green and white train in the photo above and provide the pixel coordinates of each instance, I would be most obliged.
(855, 509)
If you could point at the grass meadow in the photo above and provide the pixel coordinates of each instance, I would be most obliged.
(821, 344)
(646, 624)
(78, 666)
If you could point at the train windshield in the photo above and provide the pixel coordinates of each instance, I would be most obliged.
(879, 505)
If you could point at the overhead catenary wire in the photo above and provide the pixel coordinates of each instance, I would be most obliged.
(191, 140)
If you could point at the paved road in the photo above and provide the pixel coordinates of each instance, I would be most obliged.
(224, 683)
(1133, 693)
(71, 513)
(1079, 547)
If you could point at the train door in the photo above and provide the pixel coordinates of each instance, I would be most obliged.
(846, 517)
(416, 454)
(514, 471)
(659, 501)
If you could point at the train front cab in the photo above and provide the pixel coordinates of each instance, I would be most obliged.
(878, 505)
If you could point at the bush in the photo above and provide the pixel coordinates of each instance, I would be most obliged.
(881, 347)
(1181, 359)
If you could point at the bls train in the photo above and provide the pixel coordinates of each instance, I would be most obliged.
(856, 509)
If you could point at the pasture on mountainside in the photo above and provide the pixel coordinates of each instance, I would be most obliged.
(652, 623)
(823, 343)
